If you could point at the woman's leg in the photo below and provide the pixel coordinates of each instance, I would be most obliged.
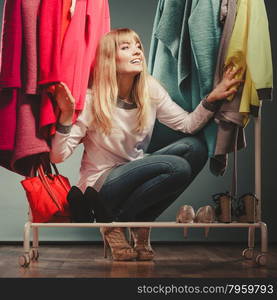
(193, 149)
(141, 190)
(149, 175)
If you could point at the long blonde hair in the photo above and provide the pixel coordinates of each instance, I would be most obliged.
(104, 82)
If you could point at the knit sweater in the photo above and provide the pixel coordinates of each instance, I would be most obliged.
(104, 152)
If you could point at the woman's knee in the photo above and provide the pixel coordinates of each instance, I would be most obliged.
(178, 167)
(197, 155)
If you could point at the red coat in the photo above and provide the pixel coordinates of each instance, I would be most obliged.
(90, 21)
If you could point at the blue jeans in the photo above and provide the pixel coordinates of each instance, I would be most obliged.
(141, 190)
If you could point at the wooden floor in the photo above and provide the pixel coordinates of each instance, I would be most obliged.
(171, 261)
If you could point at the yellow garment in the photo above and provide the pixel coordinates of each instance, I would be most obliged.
(250, 49)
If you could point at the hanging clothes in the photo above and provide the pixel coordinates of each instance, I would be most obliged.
(90, 21)
(250, 50)
(34, 57)
(49, 111)
(234, 115)
(10, 76)
(66, 16)
(49, 41)
(228, 117)
(18, 135)
(182, 57)
(30, 62)
(29, 145)
(11, 45)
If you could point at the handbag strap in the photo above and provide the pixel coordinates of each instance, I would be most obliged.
(57, 173)
(55, 169)
(45, 183)
(59, 178)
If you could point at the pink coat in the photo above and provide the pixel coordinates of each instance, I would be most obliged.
(11, 45)
(10, 76)
(90, 21)
(20, 144)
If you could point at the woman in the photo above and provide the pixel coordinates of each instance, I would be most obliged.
(121, 182)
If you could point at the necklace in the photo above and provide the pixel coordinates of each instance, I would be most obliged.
(124, 103)
(125, 100)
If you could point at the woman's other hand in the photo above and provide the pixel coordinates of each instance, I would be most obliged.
(66, 103)
(227, 86)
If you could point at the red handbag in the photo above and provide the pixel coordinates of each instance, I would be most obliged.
(46, 194)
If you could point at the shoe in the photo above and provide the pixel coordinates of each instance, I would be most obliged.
(247, 208)
(205, 214)
(79, 212)
(93, 201)
(141, 239)
(185, 214)
(224, 207)
(87, 210)
(114, 239)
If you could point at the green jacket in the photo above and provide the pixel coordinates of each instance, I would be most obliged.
(183, 53)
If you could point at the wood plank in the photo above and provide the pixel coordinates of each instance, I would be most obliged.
(188, 260)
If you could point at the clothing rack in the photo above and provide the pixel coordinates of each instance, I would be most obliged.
(31, 253)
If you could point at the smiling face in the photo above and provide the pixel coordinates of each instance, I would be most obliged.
(129, 57)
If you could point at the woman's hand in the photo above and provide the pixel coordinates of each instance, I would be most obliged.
(227, 86)
(66, 103)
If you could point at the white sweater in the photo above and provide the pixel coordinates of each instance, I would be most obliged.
(102, 153)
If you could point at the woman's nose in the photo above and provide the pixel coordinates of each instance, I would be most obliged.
(136, 50)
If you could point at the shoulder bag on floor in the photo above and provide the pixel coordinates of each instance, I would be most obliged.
(47, 196)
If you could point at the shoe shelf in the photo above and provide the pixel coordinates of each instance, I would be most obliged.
(31, 253)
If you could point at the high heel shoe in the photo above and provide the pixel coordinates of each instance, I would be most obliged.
(186, 214)
(101, 213)
(205, 214)
(141, 238)
(115, 240)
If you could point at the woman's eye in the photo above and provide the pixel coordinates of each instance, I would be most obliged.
(124, 47)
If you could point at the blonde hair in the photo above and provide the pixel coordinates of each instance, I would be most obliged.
(104, 82)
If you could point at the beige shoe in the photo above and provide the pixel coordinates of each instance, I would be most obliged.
(114, 238)
(141, 239)
(205, 214)
(185, 214)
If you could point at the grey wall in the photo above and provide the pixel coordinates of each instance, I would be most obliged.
(139, 15)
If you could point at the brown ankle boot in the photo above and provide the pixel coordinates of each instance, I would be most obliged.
(141, 238)
(248, 208)
(223, 208)
(115, 239)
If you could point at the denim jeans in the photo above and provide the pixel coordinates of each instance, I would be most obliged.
(141, 190)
